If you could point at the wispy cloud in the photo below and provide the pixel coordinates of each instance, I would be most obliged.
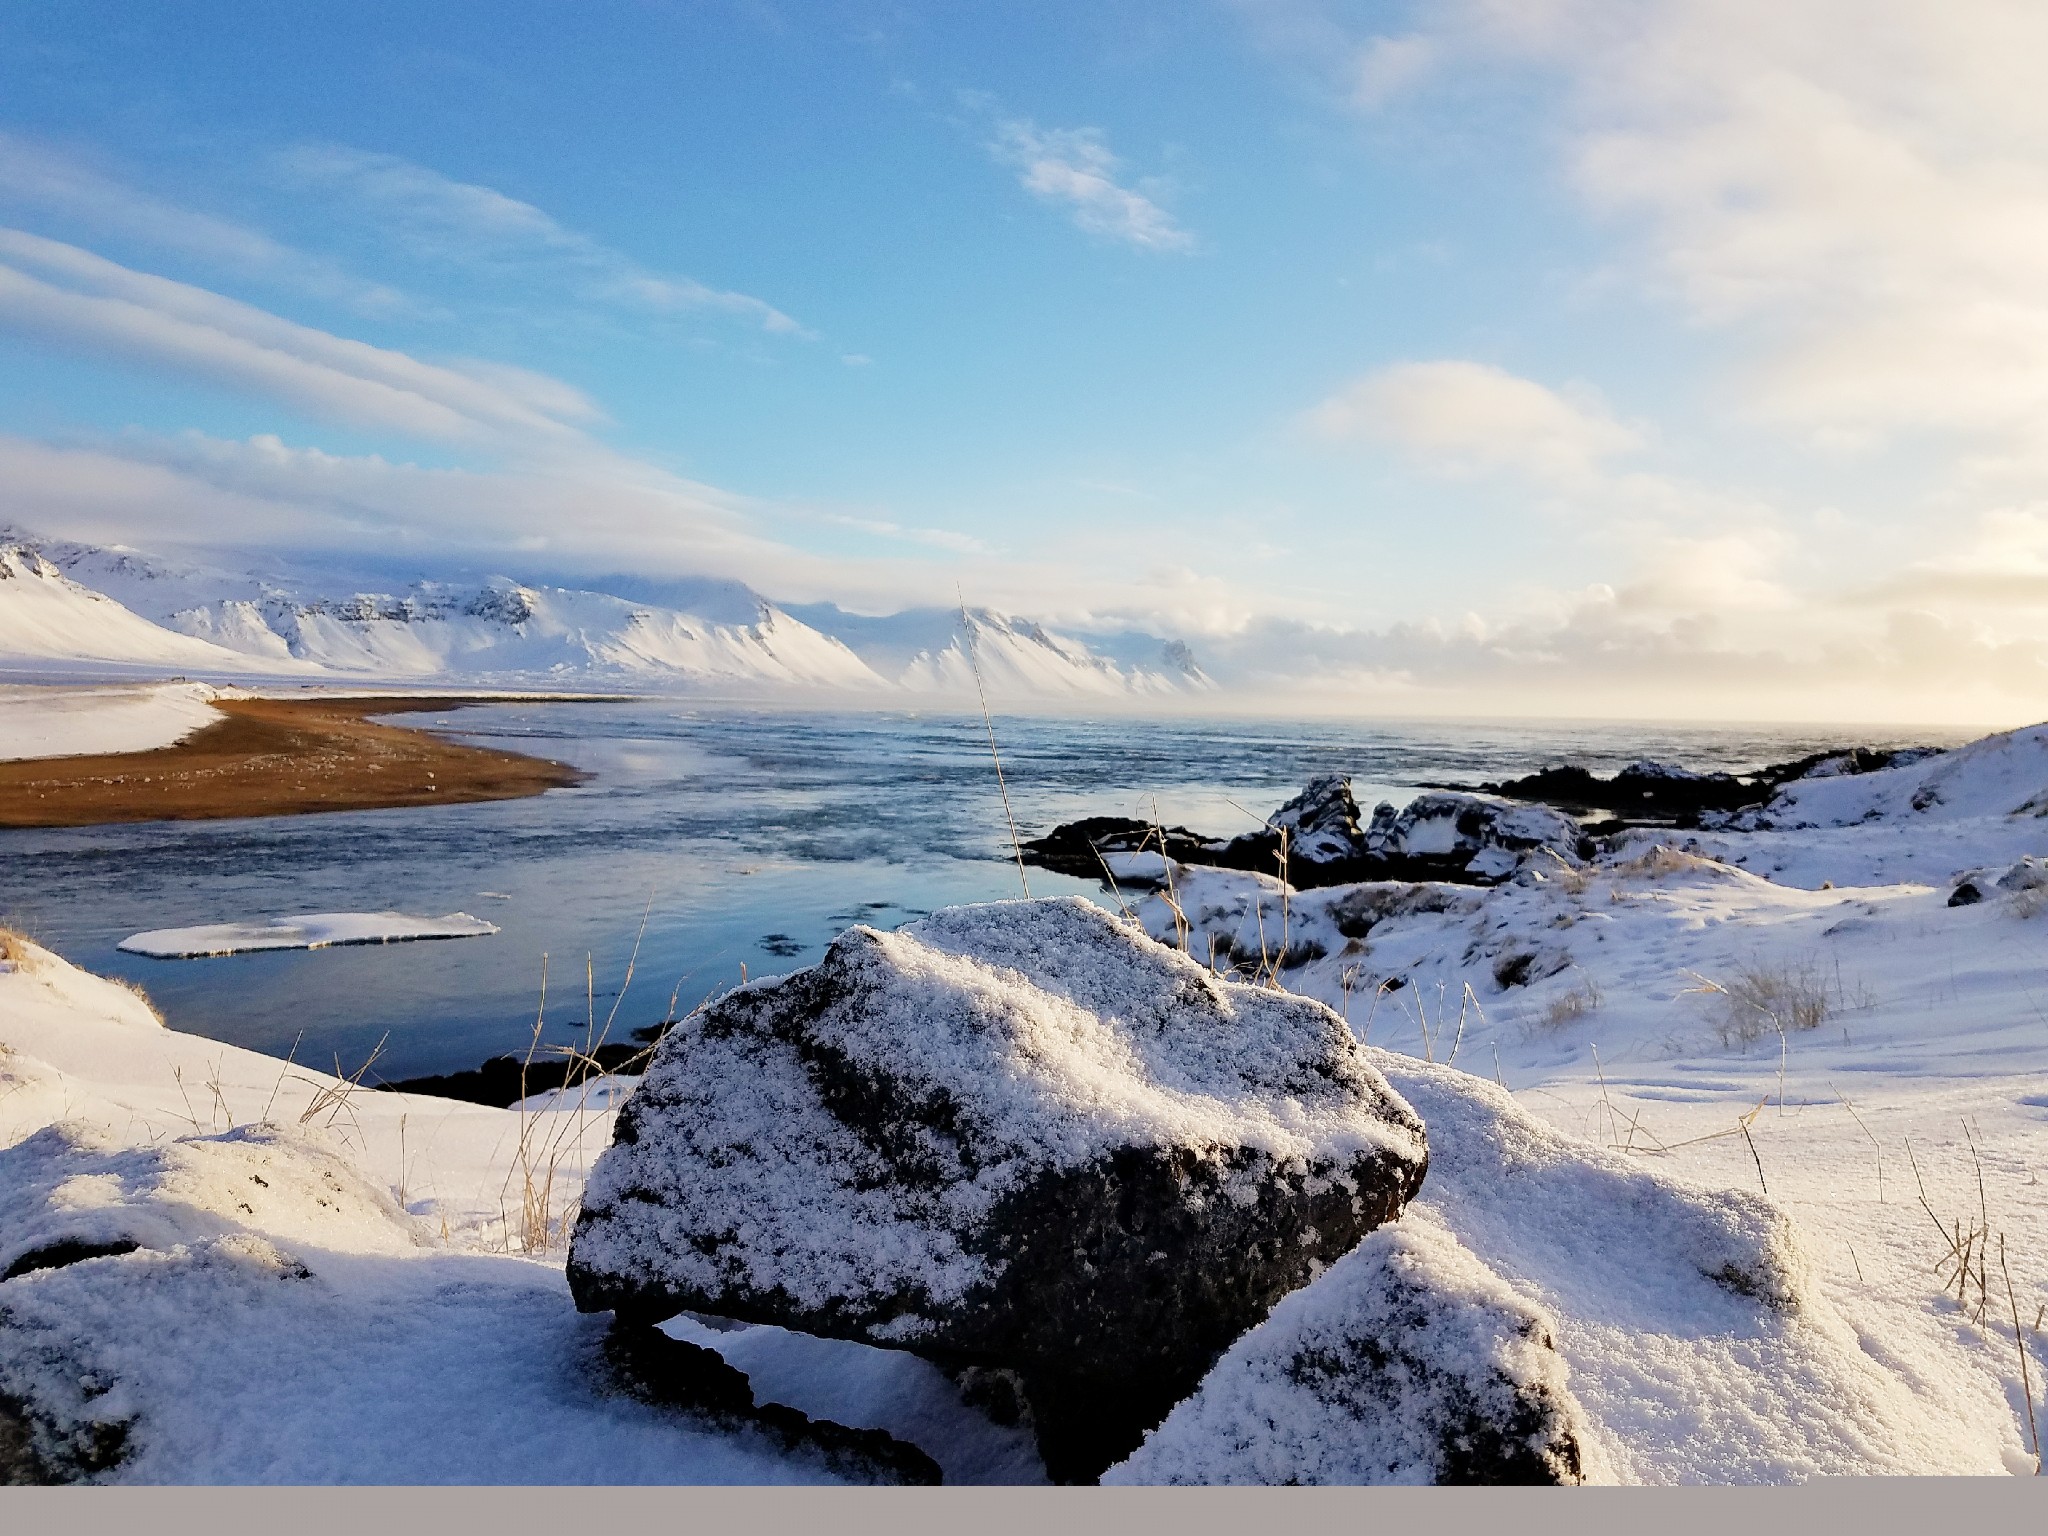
(75, 296)
(465, 225)
(1073, 168)
(37, 178)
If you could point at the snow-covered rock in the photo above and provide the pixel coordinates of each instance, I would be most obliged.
(1321, 822)
(1409, 1362)
(1483, 839)
(1018, 1137)
(217, 1267)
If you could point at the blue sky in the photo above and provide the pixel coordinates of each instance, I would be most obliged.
(1589, 356)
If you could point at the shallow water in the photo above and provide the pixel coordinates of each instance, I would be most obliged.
(743, 837)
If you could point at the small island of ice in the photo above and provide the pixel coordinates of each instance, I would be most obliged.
(315, 930)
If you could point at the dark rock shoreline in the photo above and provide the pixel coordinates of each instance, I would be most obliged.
(1316, 839)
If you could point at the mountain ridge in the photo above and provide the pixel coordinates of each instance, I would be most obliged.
(111, 605)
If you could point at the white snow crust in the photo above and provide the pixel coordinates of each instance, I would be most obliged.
(76, 722)
(315, 930)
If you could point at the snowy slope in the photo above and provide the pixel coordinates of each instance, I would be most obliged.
(497, 630)
(507, 630)
(927, 650)
(45, 616)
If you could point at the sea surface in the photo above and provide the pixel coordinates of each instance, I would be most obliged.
(709, 843)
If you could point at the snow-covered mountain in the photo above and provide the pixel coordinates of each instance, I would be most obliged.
(938, 650)
(47, 617)
(112, 604)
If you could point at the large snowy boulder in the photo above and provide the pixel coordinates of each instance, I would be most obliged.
(1020, 1137)
(1469, 837)
(1321, 822)
(1409, 1362)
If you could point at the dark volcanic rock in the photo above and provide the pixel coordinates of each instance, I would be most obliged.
(1021, 1138)
(505, 1080)
(1409, 1362)
(1320, 839)
(1077, 847)
(1650, 792)
(649, 1365)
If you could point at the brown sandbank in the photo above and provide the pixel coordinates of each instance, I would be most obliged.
(277, 757)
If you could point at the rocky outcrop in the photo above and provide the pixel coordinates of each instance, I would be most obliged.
(2029, 874)
(1319, 838)
(1082, 847)
(1020, 1138)
(1459, 837)
(1409, 1362)
(1648, 793)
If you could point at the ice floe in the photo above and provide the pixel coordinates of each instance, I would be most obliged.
(315, 930)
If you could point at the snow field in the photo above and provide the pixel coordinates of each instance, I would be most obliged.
(40, 722)
(1593, 996)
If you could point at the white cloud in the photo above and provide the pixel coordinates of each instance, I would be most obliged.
(74, 296)
(1458, 415)
(1856, 188)
(1386, 67)
(1073, 167)
(463, 224)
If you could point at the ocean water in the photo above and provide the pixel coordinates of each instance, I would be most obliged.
(723, 842)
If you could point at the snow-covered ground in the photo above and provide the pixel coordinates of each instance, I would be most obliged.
(315, 930)
(1872, 1058)
(70, 722)
(338, 1285)
(1720, 1138)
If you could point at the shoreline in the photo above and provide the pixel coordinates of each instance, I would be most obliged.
(281, 757)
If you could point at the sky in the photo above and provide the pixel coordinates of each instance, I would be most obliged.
(1675, 358)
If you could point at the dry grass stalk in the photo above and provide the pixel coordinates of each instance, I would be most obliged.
(1171, 894)
(1568, 1007)
(1432, 1030)
(1761, 998)
(1965, 1267)
(974, 664)
(548, 1139)
(336, 1096)
(1876, 1146)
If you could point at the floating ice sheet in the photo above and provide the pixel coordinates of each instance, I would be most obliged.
(315, 930)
